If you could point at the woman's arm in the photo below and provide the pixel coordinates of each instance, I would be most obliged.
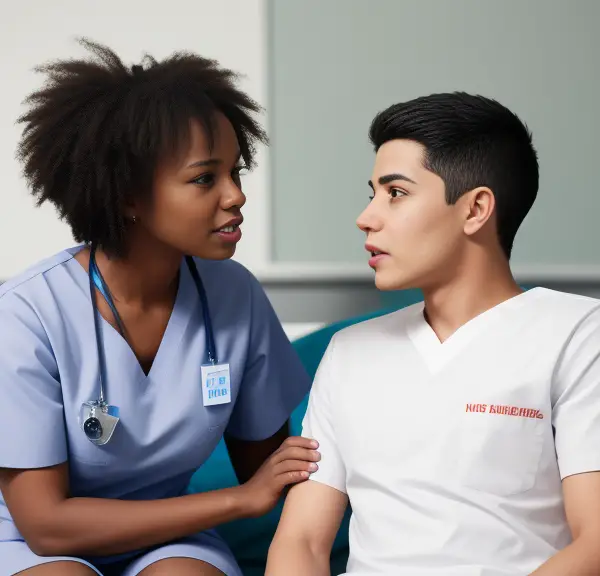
(248, 456)
(53, 524)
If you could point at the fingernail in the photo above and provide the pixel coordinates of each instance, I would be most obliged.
(304, 474)
(312, 467)
(314, 444)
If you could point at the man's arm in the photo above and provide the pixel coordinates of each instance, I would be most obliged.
(312, 514)
(309, 523)
(576, 393)
(582, 506)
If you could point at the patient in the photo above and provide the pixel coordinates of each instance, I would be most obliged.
(463, 430)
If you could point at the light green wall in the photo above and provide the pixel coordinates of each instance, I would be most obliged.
(335, 63)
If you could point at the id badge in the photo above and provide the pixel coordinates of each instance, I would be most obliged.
(216, 386)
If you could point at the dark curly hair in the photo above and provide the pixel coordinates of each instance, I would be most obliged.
(95, 131)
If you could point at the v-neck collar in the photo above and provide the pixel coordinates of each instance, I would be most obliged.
(437, 354)
(178, 321)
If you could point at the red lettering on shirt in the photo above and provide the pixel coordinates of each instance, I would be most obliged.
(476, 408)
(518, 411)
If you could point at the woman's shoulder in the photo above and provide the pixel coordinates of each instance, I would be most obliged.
(25, 288)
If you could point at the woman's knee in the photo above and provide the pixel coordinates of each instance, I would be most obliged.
(59, 568)
(181, 567)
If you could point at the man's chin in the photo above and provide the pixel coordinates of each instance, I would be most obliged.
(388, 281)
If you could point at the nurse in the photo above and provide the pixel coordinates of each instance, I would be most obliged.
(124, 360)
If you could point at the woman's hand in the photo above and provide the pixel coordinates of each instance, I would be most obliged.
(292, 463)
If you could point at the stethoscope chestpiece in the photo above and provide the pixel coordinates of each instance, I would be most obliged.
(98, 421)
(92, 427)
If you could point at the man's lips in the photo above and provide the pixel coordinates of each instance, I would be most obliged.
(377, 255)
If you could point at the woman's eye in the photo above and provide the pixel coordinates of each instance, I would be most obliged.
(237, 173)
(240, 171)
(204, 180)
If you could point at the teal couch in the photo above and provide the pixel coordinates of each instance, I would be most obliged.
(250, 539)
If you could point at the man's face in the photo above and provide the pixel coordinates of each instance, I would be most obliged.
(420, 236)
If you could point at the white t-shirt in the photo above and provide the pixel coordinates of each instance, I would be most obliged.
(452, 453)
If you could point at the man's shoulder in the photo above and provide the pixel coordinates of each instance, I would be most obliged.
(388, 327)
(563, 308)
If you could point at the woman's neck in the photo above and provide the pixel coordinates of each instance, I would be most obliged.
(146, 276)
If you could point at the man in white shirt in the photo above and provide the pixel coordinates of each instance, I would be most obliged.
(465, 430)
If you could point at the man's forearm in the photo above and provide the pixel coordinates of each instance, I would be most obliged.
(289, 557)
(581, 558)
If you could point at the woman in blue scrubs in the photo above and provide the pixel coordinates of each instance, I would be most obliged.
(124, 360)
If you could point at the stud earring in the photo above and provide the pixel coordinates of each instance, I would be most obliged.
(134, 219)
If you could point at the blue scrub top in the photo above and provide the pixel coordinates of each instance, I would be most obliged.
(49, 367)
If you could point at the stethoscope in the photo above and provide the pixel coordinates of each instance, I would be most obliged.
(99, 419)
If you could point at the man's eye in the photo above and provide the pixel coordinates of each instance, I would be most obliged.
(396, 193)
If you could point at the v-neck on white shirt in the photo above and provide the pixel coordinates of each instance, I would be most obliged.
(447, 450)
(436, 353)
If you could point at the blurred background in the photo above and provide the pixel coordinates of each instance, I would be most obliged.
(322, 69)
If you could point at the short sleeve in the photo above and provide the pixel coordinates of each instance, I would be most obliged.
(274, 380)
(576, 400)
(318, 424)
(32, 429)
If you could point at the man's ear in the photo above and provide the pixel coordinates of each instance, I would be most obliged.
(479, 207)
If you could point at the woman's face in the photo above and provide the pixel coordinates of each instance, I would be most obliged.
(197, 198)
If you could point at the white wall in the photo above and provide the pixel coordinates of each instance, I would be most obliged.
(32, 32)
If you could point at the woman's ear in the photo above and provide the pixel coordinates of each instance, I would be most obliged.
(130, 209)
(480, 206)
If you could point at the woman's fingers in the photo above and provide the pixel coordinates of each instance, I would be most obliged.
(295, 453)
(294, 466)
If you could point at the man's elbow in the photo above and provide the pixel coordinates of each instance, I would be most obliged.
(589, 550)
(293, 552)
(285, 543)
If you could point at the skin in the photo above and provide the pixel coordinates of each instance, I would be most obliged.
(194, 194)
(452, 253)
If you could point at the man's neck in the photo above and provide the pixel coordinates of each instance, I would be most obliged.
(481, 284)
(146, 276)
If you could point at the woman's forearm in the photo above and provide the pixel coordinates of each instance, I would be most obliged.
(99, 527)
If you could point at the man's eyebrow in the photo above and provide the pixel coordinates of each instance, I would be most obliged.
(383, 180)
